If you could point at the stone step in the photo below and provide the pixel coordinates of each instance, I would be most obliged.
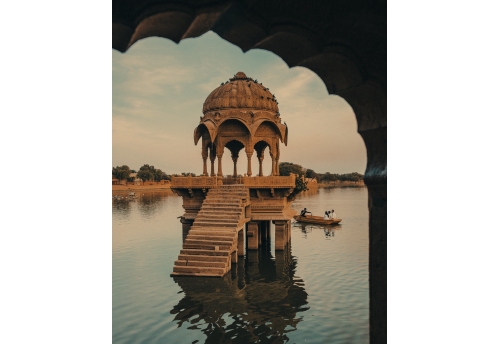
(202, 246)
(208, 210)
(204, 258)
(221, 205)
(219, 215)
(220, 219)
(229, 195)
(212, 231)
(200, 270)
(215, 227)
(216, 224)
(185, 274)
(209, 236)
(210, 242)
(223, 218)
(215, 232)
(204, 252)
(222, 209)
(183, 262)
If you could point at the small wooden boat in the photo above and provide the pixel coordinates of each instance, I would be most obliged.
(318, 220)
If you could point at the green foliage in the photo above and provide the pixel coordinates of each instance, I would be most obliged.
(146, 172)
(121, 172)
(158, 174)
(287, 167)
(311, 174)
(300, 185)
(329, 177)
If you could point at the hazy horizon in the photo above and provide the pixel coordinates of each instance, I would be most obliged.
(158, 92)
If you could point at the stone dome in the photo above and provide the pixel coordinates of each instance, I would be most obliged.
(241, 92)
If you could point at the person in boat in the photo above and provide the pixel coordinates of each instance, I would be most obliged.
(326, 217)
(333, 216)
(304, 211)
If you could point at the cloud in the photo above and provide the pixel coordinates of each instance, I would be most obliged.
(158, 92)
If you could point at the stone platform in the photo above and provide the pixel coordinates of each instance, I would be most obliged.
(221, 212)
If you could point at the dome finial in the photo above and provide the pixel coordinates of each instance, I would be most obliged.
(240, 75)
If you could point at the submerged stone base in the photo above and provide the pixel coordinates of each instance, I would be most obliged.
(218, 218)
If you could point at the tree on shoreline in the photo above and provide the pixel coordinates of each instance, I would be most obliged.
(121, 172)
(147, 173)
(286, 168)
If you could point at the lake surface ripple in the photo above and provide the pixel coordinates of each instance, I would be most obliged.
(316, 291)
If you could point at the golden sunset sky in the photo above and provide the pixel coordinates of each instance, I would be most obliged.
(158, 92)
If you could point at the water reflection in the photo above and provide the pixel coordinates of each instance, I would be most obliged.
(258, 301)
(329, 231)
(149, 203)
(121, 208)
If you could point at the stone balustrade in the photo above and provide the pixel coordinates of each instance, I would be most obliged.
(251, 182)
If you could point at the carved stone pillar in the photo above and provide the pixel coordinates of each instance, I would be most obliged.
(277, 165)
(241, 242)
(280, 234)
(235, 160)
(249, 169)
(204, 155)
(219, 167)
(265, 231)
(212, 160)
(261, 228)
(261, 158)
(205, 173)
(277, 171)
(253, 235)
(273, 168)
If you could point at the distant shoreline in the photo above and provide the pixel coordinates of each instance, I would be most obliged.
(341, 184)
(132, 188)
(166, 187)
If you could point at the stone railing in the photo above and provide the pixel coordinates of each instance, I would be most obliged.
(270, 181)
(253, 182)
(195, 182)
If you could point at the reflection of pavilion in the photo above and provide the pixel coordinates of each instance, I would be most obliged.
(240, 114)
(257, 302)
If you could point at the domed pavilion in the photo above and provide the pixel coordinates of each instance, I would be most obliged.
(242, 115)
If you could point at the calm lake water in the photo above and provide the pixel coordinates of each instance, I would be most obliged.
(314, 292)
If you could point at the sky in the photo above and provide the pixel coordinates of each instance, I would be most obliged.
(159, 88)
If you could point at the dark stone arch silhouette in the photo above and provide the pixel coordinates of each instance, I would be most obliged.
(343, 42)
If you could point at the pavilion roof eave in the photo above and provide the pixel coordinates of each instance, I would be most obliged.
(282, 129)
(210, 126)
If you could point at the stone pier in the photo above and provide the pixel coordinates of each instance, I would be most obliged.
(226, 218)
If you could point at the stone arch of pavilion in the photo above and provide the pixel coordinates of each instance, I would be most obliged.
(240, 114)
(344, 43)
(259, 147)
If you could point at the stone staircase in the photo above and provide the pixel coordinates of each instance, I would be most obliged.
(213, 237)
